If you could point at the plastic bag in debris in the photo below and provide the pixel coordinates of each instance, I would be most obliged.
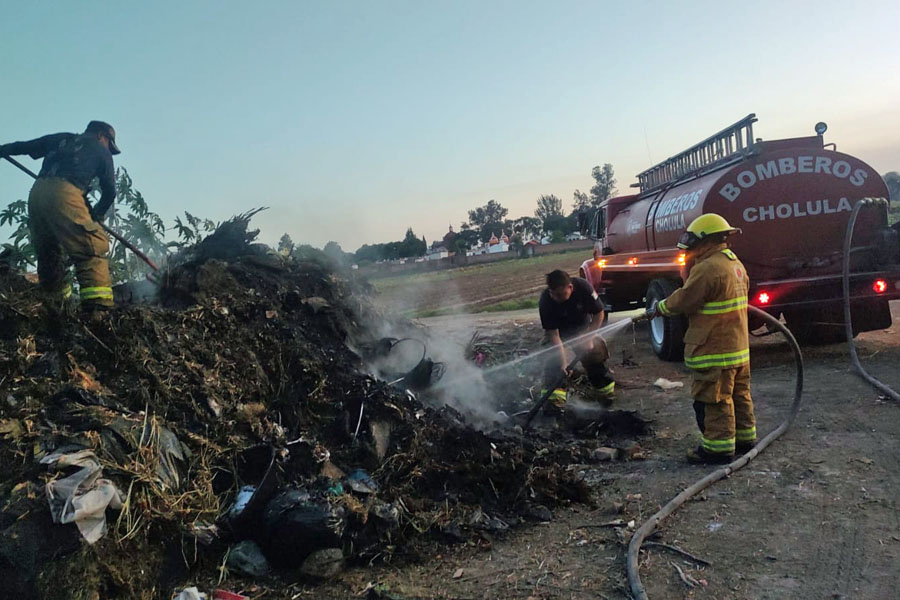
(122, 433)
(81, 498)
(171, 454)
(247, 558)
(665, 384)
(296, 524)
(190, 593)
(361, 482)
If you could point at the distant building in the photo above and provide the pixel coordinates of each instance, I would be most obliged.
(500, 246)
(449, 241)
(437, 253)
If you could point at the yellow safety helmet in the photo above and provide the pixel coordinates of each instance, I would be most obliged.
(703, 227)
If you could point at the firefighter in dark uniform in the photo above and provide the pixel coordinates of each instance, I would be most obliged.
(716, 344)
(61, 222)
(569, 309)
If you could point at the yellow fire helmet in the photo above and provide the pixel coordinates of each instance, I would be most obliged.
(702, 227)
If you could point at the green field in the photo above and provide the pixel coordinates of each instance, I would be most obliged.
(505, 285)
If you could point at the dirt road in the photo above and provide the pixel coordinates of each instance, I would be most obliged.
(815, 516)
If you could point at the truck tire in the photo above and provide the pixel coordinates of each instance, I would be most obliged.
(666, 333)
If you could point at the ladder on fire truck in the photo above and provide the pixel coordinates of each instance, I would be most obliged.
(720, 149)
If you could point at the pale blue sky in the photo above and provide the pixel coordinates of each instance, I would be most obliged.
(352, 120)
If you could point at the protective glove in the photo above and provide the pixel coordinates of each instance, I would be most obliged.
(649, 314)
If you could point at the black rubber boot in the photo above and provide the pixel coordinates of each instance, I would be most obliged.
(699, 456)
(744, 447)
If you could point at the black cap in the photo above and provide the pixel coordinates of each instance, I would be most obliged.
(107, 130)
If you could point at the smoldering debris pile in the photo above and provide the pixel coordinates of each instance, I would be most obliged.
(230, 430)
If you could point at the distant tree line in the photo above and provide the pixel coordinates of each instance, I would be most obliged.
(491, 220)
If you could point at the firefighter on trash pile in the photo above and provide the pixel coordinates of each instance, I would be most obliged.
(717, 346)
(569, 309)
(61, 222)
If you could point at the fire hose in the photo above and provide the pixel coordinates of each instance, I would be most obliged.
(634, 547)
(854, 357)
(118, 236)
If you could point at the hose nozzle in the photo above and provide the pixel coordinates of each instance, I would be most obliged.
(644, 316)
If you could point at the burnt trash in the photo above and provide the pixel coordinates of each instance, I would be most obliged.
(323, 564)
(247, 558)
(297, 523)
(387, 514)
(452, 533)
(163, 396)
(361, 482)
(400, 362)
(423, 376)
(257, 476)
(537, 512)
(482, 520)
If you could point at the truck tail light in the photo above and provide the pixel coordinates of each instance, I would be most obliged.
(880, 286)
(763, 298)
(682, 258)
(601, 262)
(632, 261)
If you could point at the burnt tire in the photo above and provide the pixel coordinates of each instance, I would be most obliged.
(666, 333)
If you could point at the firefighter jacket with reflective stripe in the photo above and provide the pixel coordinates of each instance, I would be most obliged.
(714, 298)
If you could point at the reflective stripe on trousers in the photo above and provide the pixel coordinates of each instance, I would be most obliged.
(728, 359)
(97, 292)
(746, 435)
(717, 446)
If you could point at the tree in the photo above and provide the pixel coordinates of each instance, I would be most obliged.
(548, 206)
(581, 201)
(604, 184)
(468, 238)
(489, 229)
(557, 237)
(411, 246)
(527, 226)
(560, 223)
(333, 251)
(491, 213)
(369, 253)
(285, 245)
(19, 254)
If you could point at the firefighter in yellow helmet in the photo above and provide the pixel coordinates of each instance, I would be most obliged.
(62, 223)
(716, 344)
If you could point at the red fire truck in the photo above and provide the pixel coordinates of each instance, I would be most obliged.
(792, 198)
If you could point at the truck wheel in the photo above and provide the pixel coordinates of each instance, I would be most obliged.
(666, 333)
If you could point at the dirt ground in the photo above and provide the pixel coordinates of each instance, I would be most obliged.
(815, 516)
(472, 288)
